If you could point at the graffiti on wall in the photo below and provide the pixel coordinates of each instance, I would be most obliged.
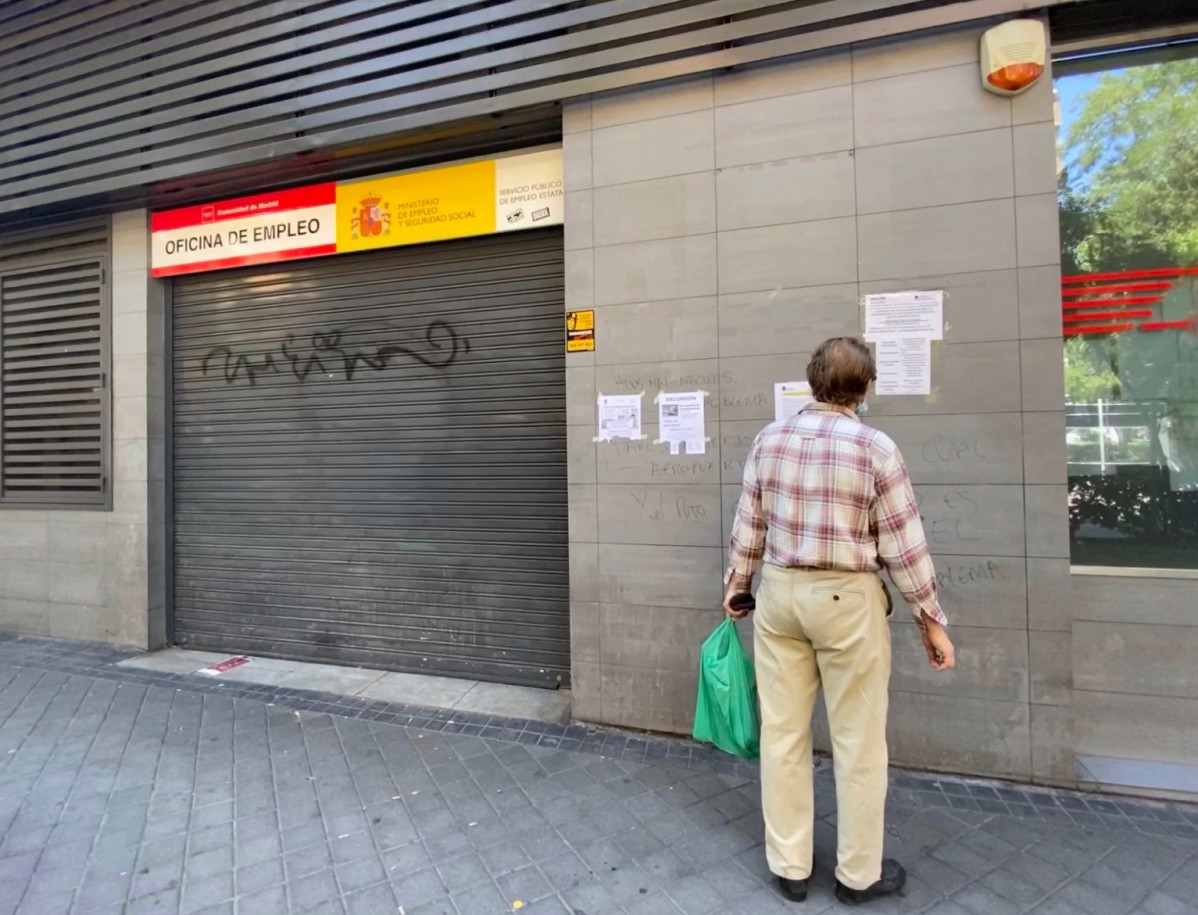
(327, 353)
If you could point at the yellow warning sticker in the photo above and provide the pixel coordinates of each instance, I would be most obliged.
(580, 332)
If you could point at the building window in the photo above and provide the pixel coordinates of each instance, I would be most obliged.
(53, 385)
(1128, 194)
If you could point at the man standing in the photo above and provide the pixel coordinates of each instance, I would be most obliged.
(827, 504)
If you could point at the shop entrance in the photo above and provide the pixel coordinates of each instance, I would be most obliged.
(369, 460)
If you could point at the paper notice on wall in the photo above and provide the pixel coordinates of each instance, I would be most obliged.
(619, 417)
(682, 421)
(905, 314)
(789, 398)
(904, 365)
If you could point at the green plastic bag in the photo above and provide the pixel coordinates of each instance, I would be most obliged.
(726, 707)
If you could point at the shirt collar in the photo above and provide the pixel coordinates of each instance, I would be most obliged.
(817, 407)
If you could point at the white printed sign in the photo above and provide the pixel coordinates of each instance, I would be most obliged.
(682, 422)
(789, 399)
(904, 365)
(907, 314)
(528, 191)
(619, 417)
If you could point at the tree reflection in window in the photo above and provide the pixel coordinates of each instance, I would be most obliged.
(1128, 195)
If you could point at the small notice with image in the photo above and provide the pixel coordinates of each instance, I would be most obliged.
(580, 332)
(619, 417)
(682, 422)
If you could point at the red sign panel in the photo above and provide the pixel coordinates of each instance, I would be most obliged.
(248, 230)
(1114, 303)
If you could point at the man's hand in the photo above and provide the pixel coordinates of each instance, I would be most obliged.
(941, 654)
(728, 611)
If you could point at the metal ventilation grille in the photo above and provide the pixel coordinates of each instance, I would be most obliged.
(52, 383)
(166, 100)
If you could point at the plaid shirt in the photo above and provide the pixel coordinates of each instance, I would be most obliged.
(824, 491)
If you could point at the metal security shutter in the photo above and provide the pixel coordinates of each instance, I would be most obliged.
(369, 460)
(54, 346)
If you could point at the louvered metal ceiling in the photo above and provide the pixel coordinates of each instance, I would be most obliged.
(169, 101)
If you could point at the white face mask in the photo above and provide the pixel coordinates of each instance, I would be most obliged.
(861, 408)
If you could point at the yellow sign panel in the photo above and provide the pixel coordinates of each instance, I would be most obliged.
(419, 207)
(580, 332)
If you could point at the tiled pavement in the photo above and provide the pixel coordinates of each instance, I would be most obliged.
(127, 792)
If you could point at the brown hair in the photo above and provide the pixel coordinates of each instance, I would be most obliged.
(840, 371)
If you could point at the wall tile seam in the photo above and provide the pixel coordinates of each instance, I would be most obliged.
(941, 136)
(1017, 125)
(876, 416)
(838, 150)
(944, 206)
(712, 295)
(691, 671)
(974, 64)
(967, 695)
(660, 117)
(644, 241)
(708, 457)
(772, 97)
(597, 307)
(643, 181)
(965, 133)
(940, 206)
(743, 228)
(654, 119)
(957, 626)
(944, 343)
(1132, 693)
(944, 276)
(1022, 425)
(992, 554)
(1138, 623)
(595, 186)
(578, 103)
(766, 419)
(989, 555)
(953, 695)
(790, 222)
(908, 621)
(591, 158)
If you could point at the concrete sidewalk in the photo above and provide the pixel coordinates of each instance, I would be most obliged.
(551, 706)
(133, 791)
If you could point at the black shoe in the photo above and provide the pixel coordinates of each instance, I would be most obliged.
(894, 878)
(794, 890)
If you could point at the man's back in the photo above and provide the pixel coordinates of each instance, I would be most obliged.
(818, 473)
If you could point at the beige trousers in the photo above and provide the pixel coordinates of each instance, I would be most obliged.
(826, 628)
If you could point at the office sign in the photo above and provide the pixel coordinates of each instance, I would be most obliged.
(249, 230)
(457, 201)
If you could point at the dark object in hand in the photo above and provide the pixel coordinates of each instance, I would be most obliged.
(743, 603)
